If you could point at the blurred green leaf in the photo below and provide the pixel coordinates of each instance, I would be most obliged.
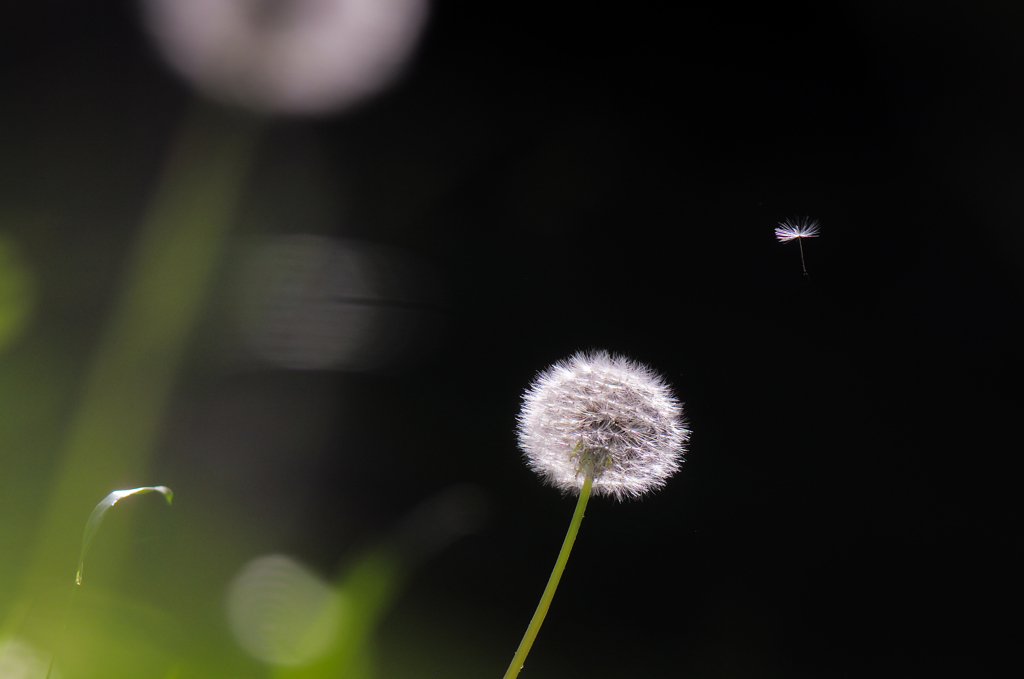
(16, 293)
(165, 284)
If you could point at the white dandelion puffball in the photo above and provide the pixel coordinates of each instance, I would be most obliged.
(796, 228)
(605, 414)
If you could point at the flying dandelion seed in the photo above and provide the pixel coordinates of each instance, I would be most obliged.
(797, 230)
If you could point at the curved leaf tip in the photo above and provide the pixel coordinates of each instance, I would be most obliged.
(100, 510)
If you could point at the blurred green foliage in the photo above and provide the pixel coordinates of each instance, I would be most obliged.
(17, 292)
(155, 610)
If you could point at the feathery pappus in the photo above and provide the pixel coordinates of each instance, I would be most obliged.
(797, 228)
(604, 415)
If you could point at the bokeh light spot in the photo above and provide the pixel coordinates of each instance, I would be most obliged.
(281, 612)
(314, 303)
(20, 660)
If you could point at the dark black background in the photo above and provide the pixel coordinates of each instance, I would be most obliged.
(609, 176)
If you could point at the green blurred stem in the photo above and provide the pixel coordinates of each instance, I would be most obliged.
(63, 628)
(556, 575)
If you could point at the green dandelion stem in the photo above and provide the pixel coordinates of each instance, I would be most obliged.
(556, 575)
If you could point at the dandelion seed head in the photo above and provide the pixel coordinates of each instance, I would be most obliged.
(604, 413)
(791, 229)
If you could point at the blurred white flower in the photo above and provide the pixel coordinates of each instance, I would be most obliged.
(606, 415)
(287, 56)
(796, 228)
